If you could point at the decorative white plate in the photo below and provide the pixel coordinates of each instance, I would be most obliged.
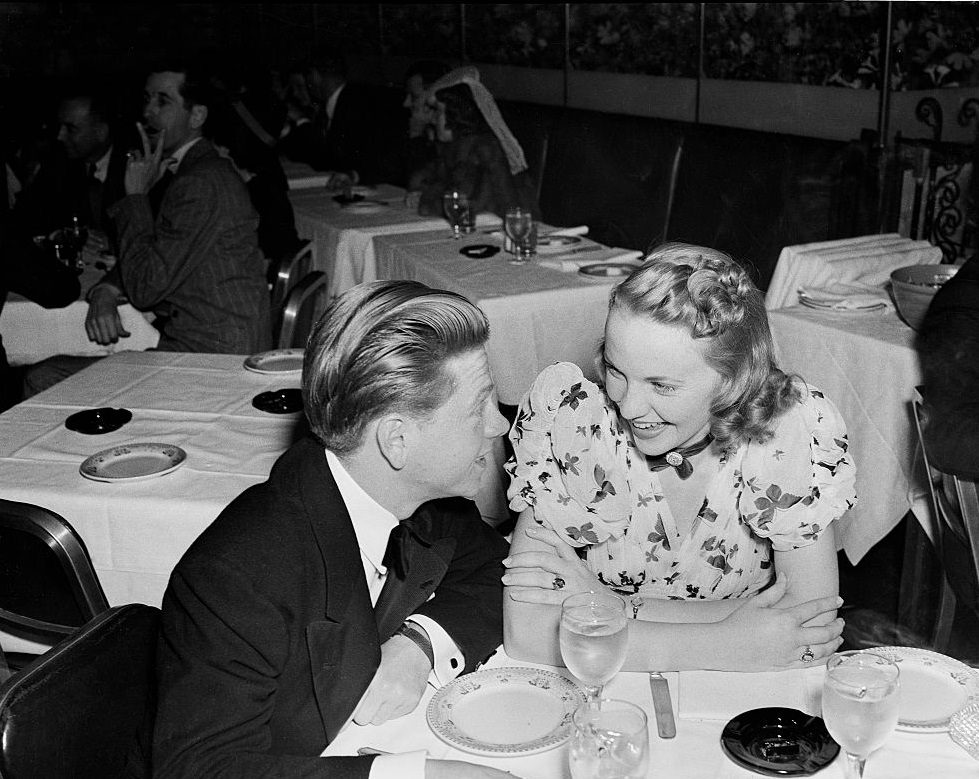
(552, 244)
(276, 361)
(505, 711)
(132, 462)
(365, 207)
(604, 271)
(933, 687)
(810, 303)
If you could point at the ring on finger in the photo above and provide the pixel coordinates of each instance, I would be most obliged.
(558, 583)
(807, 655)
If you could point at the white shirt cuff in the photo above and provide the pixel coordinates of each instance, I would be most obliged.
(408, 765)
(449, 661)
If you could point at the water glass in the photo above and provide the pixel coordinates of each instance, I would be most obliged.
(594, 637)
(521, 229)
(456, 207)
(609, 740)
(861, 693)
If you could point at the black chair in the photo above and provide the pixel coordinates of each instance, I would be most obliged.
(86, 707)
(955, 508)
(48, 586)
(303, 305)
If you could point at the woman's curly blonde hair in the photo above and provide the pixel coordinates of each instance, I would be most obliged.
(712, 297)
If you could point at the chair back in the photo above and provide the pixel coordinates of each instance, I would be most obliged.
(48, 585)
(86, 707)
(955, 508)
(303, 306)
(288, 271)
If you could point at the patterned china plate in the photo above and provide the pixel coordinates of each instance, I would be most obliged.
(277, 361)
(365, 207)
(551, 244)
(132, 462)
(817, 304)
(505, 711)
(604, 271)
(933, 687)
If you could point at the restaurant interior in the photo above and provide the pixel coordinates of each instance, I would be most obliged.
(791, 136)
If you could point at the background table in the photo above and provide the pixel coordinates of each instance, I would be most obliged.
(342, 236)
(866, 364)
(538, 315)
(32, 333)
(703, 701)
(136, 531)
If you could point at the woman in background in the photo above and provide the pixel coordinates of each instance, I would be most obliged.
(476, 152)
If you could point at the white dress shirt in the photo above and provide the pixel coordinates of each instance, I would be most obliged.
(372, 525)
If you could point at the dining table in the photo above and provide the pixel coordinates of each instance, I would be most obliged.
(866, 364)
(540, 311)
(341, 232)
(703, 703)
(32, 333)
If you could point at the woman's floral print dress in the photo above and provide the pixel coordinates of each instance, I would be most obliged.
(580, 471)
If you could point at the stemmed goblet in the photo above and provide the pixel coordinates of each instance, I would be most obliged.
(861, 693)
(518, 224)
(594, 638)
(456, 207)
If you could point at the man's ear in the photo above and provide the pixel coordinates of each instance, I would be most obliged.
(198, 115)
(392, 432)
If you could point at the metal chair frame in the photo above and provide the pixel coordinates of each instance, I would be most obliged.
(305, 293)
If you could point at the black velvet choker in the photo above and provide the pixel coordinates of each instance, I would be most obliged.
(677, 458)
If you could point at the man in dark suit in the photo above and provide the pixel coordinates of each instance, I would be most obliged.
(294, 612)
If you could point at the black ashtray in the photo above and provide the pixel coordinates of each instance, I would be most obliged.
(95, 421)
(280, 401)
(779, 742)
(346, 200)
(479, 251)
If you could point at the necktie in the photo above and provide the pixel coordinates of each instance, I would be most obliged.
(157, 191)
(677, 458)
(396, 555)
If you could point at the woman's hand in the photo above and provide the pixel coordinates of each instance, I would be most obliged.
(762, 635)
(547, 576)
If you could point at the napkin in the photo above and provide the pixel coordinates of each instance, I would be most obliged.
(720, 695)
(849, 296)
(310, 182)
(569, 263)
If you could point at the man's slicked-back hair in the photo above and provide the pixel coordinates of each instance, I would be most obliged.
(382, 346)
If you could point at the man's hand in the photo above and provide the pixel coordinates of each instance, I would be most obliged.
(457, 769)
(398, 684)
(765, 635)
(143, 168)
(530, 576)
(102, 322)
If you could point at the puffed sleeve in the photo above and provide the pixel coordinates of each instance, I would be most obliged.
(568, 462)
(803, 478)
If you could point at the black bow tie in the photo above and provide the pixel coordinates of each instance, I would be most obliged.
(677, 458)
(396, 555)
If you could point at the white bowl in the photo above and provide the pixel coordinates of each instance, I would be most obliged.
(913, 287)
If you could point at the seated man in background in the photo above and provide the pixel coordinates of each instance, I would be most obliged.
(948, 345)
(294, 612)
(84, 176)
(187, 232)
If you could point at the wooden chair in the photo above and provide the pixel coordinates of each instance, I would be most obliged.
(955, 508)
(48, 585)
(301, 309)
(86, 707)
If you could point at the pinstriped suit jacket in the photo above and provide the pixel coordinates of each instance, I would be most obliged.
(197, 264)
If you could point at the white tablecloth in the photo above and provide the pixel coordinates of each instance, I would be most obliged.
(868, 258)
(866, 364)
(136, 531)
(704, 701)
(32, 333)
(538, 315)
(342, 236)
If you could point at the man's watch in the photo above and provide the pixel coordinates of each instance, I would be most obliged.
(410, 631)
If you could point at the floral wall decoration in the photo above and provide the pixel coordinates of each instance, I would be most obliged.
(421, 30)
(530, 35)
(935, 45)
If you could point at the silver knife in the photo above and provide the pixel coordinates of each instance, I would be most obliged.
(659, 686)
